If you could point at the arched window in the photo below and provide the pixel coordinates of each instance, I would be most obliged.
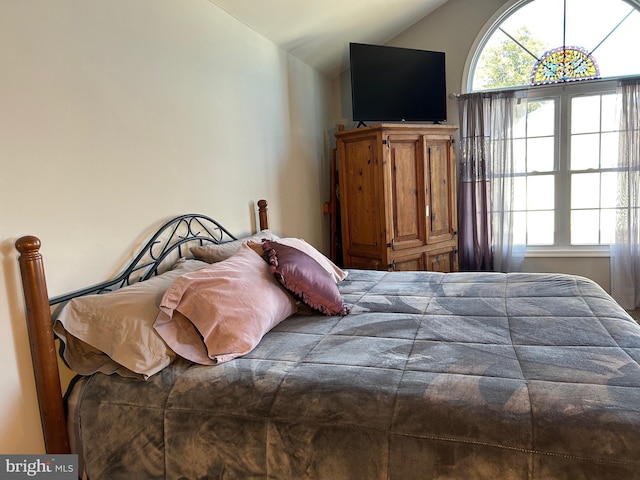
(566, 56)
(553, 41)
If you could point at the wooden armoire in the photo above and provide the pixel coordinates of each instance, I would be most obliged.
(397, 186)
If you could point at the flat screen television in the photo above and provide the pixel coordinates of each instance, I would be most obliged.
(392, 84)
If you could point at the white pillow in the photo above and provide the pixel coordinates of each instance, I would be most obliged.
(218, 252)
(113, 332)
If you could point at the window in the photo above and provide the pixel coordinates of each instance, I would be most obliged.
(567, 54)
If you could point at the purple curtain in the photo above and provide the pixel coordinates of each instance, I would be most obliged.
(488, 121)
(474, 223)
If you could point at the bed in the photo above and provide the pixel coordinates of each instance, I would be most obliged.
(404, 375)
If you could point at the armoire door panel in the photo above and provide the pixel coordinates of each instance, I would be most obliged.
(407, 187)
(409, 263)
(362, 193)
(440, 192)
(444, 261)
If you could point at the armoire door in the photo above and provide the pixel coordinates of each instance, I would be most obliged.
(440, 190)
(361, 200)
(406, 173)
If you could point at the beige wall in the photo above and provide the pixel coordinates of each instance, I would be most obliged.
(115, 115)
(455, 28)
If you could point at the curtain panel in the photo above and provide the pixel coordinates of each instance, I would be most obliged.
(487, 173)
(474, 222)
(625, 252)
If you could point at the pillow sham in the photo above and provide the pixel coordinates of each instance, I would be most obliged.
(218, 252)
(221, 312)
(303, 276)
(113, 332)
(336, 272)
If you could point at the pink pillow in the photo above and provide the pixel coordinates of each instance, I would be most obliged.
(304, 277)
(222, 311)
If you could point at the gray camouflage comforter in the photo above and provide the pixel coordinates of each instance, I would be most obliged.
(431, 376)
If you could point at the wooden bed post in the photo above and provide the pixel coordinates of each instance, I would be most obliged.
(262, 214)
(43, 348)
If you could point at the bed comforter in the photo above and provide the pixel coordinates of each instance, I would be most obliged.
(431, 376)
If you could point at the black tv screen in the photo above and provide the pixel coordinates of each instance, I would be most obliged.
(397, 84)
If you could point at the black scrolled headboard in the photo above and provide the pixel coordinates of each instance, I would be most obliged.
(172, 237)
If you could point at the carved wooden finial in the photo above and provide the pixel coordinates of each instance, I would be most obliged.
(262, 214)
(28, 245)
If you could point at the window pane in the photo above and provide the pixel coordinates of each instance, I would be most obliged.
(585, 227)
(609, 149)
(543, 18)
(520, 228)
(585, 114)
(540, 192)
(541, 118)
(582, 12)
(585, 151)
(585, 190)
(613, 55)
(609, 189)
(540, 154)
(610, 122)
(607, 226)
(483, 76)
(540, 228)
(520, 123)
(520, 155)
(520, 194)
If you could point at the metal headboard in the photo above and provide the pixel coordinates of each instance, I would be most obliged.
(175, 236)
(172, 238)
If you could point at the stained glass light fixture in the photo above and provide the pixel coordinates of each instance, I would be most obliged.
(564, 64)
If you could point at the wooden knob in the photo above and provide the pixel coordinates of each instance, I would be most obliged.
(28, 245)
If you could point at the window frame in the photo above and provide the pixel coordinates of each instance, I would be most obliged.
(563, 92)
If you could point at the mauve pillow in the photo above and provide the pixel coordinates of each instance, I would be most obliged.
(304, 277)
(299, 244)
(222, 311)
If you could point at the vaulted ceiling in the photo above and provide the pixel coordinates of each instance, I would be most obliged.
(318, 32)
